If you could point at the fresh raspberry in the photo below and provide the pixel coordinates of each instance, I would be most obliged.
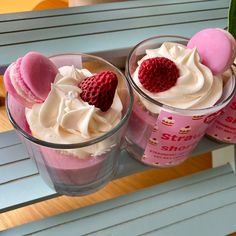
(99, 89)
(158, 74)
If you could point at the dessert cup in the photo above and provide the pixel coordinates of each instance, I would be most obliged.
(61, 165)
(166, 137)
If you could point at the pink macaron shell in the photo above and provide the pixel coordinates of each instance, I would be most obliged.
(233, 43)
(38, 72)
(11, 90)
(19, 84)
(214, 48)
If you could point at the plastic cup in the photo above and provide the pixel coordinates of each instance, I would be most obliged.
(166, 138)
(60, 168)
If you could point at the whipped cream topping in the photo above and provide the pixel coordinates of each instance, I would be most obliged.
(65, 118)
(196, 88)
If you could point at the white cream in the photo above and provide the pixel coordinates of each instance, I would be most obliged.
(196, 87)
(64, 118)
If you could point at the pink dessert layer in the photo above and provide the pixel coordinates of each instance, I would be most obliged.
(70, 170)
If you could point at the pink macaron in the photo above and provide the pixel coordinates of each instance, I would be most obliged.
(216, 47)
(29, 78)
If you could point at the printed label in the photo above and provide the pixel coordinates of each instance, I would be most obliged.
(224, 128)
(174, 137)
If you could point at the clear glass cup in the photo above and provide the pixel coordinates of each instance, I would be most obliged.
(166, 138)
(63, 171)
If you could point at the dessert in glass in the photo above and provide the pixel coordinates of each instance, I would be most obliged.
(71, 111)
(176, 98)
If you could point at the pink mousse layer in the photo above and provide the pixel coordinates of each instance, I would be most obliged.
(68, 169)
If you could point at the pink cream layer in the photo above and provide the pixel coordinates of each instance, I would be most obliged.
(70, 170)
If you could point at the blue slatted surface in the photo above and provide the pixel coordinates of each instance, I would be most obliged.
(177, 205)
(135, 15)
(110, 16)
(105, 27)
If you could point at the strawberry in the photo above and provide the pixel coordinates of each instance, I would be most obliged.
(99, 89)
(158, 74)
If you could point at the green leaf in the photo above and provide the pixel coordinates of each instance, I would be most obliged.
(232, 18)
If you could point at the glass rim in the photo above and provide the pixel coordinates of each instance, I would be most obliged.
(162, 105)
(91, 141)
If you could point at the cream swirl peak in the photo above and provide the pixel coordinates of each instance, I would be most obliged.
(65, 118)
(196, 86)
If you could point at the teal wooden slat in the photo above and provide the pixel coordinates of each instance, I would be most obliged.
(22, 192)
(106, 27)
(218, 222)
(12, 153)
(92, 8)
(154, 212)
(111, 15)
(101, 43)
(132, 209)
(158, 221)
(8, 139)
(17, 170)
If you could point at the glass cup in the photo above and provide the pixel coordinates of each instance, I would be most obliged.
(166, 137)
(60, 165)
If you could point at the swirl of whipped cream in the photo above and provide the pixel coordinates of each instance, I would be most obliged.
(65, 118)
(196, 88)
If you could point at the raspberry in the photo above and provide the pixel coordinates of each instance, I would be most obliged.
(158, 74)
(99, 89)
